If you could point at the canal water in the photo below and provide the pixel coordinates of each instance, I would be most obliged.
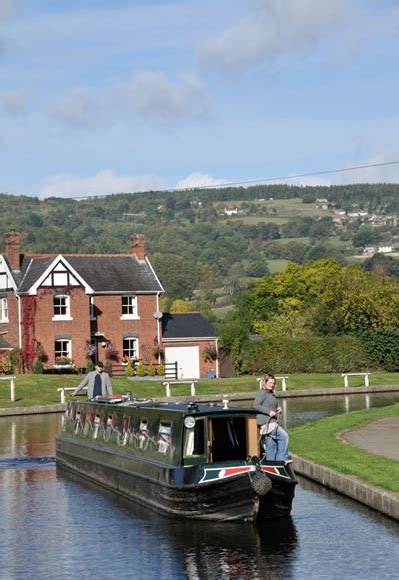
(56, 526)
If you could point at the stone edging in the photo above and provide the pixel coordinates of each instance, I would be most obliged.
(59, 408)
(374, 497)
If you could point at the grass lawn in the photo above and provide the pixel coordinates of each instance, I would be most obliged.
(42, 389)
(318, 442)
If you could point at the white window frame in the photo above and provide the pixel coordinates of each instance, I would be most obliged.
(4, 310)
(127, 351)
(66, 350)
(67, 315)
(92, 316)
(129, 306)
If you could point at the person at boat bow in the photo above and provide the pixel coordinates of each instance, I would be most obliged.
(97, 381)
(273, 437)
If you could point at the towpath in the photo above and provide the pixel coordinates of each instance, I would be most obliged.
(380, 437)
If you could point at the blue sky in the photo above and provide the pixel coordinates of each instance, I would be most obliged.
(100, 97)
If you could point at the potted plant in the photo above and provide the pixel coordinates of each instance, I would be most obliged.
(210, 354)
(63, 361)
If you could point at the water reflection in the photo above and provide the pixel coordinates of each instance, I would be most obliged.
(198, 549)
(56, 525)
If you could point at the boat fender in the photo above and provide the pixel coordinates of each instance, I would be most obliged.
(261, 483)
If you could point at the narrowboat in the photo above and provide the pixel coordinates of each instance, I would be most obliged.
(189, 460)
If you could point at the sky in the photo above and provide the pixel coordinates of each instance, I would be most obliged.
(100, 97)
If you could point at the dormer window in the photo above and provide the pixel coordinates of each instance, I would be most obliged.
(61, 306)
(129, 307)
(3, 310)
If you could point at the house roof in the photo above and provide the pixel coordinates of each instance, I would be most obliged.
(103, 273)
(186, 325)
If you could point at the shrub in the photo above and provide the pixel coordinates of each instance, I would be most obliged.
(150, 371)
(37, 367)
(161, 370)
(140, 369)
(129, 369)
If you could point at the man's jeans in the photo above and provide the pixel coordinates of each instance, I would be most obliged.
(276, 444)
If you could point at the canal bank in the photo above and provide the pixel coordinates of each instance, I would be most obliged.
(374, 497)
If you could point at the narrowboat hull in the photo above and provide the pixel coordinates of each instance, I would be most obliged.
(254, 491)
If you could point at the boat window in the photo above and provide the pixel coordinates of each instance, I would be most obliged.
(77, 422)
(194, 439)
(164, 436)
(143, 432)
(229, 438)
(97, 421)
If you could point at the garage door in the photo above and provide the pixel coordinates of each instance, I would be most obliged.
(187, 358)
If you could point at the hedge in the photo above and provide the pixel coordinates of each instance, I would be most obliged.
(306, 355)
(382, 348)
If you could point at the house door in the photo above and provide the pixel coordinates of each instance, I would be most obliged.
(187, 357)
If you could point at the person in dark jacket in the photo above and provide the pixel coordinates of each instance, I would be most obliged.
(274, 438)
(97, 381)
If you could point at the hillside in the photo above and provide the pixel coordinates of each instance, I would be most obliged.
(207, 244)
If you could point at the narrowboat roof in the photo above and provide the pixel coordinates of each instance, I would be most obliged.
(191, 408)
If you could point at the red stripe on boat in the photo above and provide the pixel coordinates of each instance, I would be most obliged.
(234, 471)
(270, 469)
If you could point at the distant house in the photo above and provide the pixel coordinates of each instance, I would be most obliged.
(233, 211)
(106, 306)
(385, 248)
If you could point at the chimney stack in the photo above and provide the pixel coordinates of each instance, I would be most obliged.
(12, 242)
(137, 246)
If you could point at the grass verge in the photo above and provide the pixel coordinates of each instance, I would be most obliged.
(318, 442)
(34, 390)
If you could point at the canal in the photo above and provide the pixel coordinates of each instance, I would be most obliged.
(55, 526)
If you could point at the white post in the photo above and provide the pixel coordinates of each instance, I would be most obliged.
(283, 383)
(12, 389)
(193, 389)
(346, 381)
(62, 395)
(366, 380)
(167, 387)
(367, 401)
(285, 413)
(346, 402)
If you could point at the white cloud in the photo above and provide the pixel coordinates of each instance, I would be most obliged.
(153, 94)
(273, 29)
(197, 179)
(78, 109)
(104, 182)
(14, 102)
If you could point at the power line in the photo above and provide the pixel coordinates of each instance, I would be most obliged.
(234, 183)
(260, 181)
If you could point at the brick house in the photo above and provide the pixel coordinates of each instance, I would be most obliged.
(72, 305)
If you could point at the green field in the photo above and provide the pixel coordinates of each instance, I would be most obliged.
(42, 389)
(276, 266)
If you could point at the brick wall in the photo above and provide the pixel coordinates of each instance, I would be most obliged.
(110, 323)
(11, 327)
(46, 329)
